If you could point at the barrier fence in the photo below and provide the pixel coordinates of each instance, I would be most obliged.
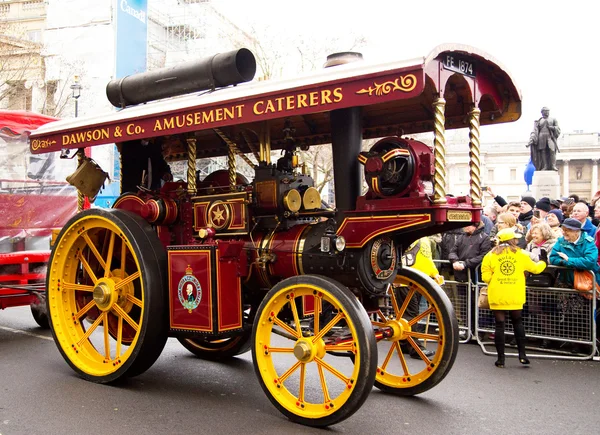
(559, 322)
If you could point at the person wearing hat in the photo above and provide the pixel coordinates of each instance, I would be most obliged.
(575, 250)
(554, 218)
(527, 204)
(503, 269)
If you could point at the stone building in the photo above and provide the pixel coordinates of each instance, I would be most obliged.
(503, 166)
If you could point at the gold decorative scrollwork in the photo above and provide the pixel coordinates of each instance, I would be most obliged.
(403, 83)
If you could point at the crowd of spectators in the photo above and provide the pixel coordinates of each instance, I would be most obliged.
(560, 232)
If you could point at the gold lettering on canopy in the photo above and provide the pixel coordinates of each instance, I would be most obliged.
(403, 83)
(85, 136)
(198, 118)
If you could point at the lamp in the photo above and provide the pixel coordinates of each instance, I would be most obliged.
(76, 92)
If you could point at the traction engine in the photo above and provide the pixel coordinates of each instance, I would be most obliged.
(227, 264)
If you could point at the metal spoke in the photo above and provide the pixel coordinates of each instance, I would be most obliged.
(328, 327)
(291, 370)
(420, 316)
(418, 350)
(119, 311)
(91, 329)
(323, 364)
(318, 301)
(326, 398)
(106, 337)
(87, 268)
(340, 347)
(280, 349)
(402, 359)
(77, 287)
(127, 280)
(423, 335)
(302, 380)
(388, 356)
(85, 309)
(123, 257)
(134, 300)
(295, 314)
(94, 250)
(287, 328)
(402, 309)
(119, 337)
(111, 247)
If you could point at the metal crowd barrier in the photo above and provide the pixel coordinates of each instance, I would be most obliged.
(460, 294)
(561, 316)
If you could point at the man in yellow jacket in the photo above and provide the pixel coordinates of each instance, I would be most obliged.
(503, 268)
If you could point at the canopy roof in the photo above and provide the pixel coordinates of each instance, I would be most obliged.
(18, 122)
(396, 98)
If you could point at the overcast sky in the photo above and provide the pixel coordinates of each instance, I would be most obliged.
(551, 48)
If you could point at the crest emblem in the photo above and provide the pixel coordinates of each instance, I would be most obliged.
(189, 290)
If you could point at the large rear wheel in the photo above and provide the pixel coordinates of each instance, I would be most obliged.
(419, 335)
(106, 294)
(318, 369)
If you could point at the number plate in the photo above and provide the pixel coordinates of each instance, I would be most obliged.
(459, 216)
(459, 64)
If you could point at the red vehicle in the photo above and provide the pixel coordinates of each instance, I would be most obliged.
(32, 204)
(227, 265)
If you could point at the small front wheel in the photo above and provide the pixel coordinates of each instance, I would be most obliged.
(314, 350)
(421, 335)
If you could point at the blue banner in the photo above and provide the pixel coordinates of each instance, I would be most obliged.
(131, 52)
(131, 37)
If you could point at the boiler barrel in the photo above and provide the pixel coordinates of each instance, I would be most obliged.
(221, 70)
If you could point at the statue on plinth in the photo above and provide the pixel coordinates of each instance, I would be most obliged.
(543, 142)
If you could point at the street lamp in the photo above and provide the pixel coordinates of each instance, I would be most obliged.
(76, 92)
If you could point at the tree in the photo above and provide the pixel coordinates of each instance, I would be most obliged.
(26, 83)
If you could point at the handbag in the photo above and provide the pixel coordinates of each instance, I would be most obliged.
(482, 301)
(583, 280)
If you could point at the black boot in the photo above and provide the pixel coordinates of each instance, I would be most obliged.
(499, 343)
(520, 336)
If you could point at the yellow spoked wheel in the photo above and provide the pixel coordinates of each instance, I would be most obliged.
(105, 294)
(316, 369)
(418, 335)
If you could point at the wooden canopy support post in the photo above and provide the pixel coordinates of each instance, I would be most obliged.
(475, 156)
(439, 151)
(191, 174)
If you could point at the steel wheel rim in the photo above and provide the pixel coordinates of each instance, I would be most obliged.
(425, 367)
(275, 380)
(79, 267)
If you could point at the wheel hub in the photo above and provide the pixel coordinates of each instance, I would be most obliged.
(400, 328)
(303, 351)
(104, 295)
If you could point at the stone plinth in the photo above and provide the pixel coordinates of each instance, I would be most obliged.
(545, 184)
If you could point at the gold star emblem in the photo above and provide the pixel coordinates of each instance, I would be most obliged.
(218, 216)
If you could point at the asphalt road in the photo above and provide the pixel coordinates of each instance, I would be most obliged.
(180, 394)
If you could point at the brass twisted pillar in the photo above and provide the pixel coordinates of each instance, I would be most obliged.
(80, 196)
(231, 167)
(236, 150)
(439, 152)
(191, 174)
(474, 156)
